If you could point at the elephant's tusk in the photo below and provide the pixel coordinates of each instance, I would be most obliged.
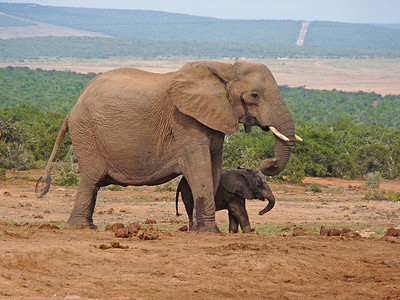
(278, 134)
(298, 138)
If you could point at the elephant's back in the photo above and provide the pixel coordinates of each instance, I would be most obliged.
(122, 80)
(121, 88)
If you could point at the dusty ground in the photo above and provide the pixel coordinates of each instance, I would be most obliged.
(271, 263)
(351, 75)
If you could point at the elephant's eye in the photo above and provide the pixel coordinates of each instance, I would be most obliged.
(255, 96)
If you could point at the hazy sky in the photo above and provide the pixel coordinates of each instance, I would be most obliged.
(354, 11)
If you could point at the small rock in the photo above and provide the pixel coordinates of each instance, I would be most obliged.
(299, 231)
(112, 245)
(367, 233)
(392, 232)
(118, 245)
(148, 234)
(348, 233)
(72, 297)
(133, 228)
(48, 226)
(323, 231)
(183, 228)
(121, 233)
(7, 194)
(114, 227)
(334, 232)
(104, 246)
(150, 221)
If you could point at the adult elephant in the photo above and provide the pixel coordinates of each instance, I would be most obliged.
(131, 127)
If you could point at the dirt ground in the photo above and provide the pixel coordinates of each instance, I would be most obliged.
(351, 75)
(278, 261)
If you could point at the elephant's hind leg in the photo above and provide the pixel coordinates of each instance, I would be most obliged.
(82, 212)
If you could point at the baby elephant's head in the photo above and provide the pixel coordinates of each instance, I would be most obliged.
(261, 189)
(248, 184)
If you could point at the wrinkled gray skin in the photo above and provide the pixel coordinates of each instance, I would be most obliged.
(132, 127)
(235, 186)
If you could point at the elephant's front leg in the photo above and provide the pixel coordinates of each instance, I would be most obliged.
(233, 223)
(204, 205)
(237, 208)
(200, 178)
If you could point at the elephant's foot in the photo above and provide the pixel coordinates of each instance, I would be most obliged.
(80, 223)
(201, 227)
(248, 230)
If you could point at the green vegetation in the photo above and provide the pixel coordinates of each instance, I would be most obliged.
(66, 174)
(6, 21)
(3, 176)
(315, 188)
(322, 106)
(347, 135)
(373, 181)
(340, 149)
(27, 136)
(114, 187)
(100, 48)
(393, 196)
(45, 90)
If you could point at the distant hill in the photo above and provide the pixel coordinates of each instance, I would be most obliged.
(154, 25)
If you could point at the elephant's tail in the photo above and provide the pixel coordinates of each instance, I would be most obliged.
(43, 183)
(178, 190)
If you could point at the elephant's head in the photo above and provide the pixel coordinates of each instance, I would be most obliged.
(248, 184)
(222, 95)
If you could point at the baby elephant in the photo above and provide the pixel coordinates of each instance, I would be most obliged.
(236, 185)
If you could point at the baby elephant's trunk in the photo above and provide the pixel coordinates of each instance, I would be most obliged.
(271, 203)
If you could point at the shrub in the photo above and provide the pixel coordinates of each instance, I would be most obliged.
(66, 175)
(394, 196)
(314, 188)
(3, 176)
(114, 187)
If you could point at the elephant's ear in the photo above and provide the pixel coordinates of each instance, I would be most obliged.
(236, 182)
(199, 90)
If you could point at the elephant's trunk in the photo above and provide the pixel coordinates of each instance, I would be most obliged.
(271, 203)
(274, 166)
(282, 126)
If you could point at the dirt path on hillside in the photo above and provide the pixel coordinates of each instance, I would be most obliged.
(302, 34)
(279, 261)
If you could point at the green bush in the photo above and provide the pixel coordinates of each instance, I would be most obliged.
(315, 188)
(114, 187)
(3, 175)
(394, 196)
(66, 175)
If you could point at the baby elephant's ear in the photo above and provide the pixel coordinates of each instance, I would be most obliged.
(235, 182)
(199, 90)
